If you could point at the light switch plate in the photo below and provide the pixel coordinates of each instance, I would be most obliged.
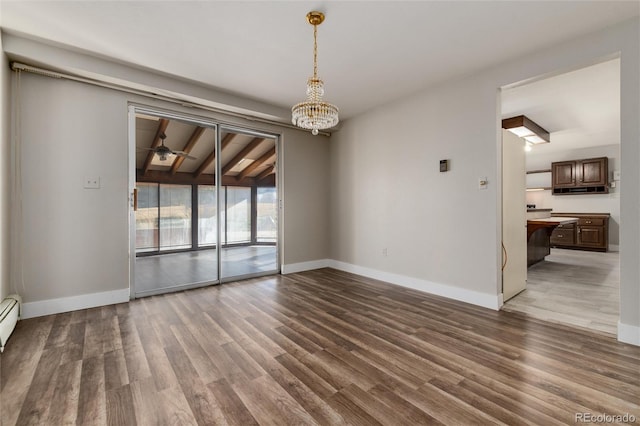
(92, 182)
(483, 183)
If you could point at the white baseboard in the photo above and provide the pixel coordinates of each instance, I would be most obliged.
(73, 303)
(629, 333)
(491, 301)
(304, 266)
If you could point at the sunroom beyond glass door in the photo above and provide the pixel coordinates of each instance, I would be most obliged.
(248, 205)
(205, 210)
(175, 205)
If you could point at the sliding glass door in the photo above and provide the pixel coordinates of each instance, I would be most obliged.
(175, 205)
(248, 205)
(205, 204)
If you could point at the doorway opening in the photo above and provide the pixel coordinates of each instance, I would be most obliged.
(573, 273)
(190, 228)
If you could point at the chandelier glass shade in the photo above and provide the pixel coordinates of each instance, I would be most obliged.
(314, 113)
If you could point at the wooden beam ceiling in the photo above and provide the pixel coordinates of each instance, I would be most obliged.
(193, 140)
(266, 172)
(198, 177)
(211, 158)
(162, 126)
(259, 162)
(242, 154)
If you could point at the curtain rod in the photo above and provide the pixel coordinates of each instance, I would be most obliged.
(17, 66)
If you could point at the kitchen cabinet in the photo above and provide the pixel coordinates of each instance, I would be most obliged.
(588, 176)
(591, 232)
(564, 235)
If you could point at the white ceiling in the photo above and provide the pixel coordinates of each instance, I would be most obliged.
(580, 109)
(370, 53)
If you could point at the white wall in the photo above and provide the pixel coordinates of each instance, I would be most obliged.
(75, 240)
(439, 228)
(5, 165)
(587, 203)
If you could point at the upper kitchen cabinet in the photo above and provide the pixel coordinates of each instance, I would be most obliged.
(587, 176)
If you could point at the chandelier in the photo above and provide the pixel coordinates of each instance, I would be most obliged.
(314, 113)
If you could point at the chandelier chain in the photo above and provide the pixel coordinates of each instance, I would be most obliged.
(315, 52)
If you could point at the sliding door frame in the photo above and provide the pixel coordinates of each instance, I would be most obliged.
(254, 133)
(217, 126)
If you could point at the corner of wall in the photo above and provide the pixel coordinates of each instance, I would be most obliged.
(5, 156)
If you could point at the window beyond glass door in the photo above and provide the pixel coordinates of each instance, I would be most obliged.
(267, 215)
(237, 215)
(163, 217)
(147, 217)
(175, 217)
(207, 207)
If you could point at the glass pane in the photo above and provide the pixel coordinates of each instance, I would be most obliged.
(238, 215)
(207, 226)
(175, 217)
(147, 217)
(267, 217)
(223, 215)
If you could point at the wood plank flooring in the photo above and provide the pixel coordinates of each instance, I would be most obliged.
(580, 288)
(320, 347)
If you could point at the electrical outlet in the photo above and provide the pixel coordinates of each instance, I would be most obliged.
(384, 252)
(92, 182)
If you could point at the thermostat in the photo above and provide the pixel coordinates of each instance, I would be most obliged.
(444, 165)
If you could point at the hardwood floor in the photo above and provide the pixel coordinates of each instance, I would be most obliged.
(320, 347)
(580, 288)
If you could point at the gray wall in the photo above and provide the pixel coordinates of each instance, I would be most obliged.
(388, 191)
(305, 160)
(74, 240)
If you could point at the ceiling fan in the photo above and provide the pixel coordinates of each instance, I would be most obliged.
(163, 152)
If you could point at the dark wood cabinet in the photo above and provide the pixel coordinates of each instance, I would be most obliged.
(590, 233)
(564, 174)
(563, 235)
(593, 172)
(588, 176)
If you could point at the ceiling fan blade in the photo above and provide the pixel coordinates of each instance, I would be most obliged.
(146, 149)
(184, 154)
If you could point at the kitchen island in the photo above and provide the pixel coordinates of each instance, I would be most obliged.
(538, 236)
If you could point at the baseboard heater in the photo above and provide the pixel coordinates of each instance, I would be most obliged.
(9, 315)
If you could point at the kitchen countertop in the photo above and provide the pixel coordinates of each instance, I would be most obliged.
(539, 210)
(557, 220)
(547, 222)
